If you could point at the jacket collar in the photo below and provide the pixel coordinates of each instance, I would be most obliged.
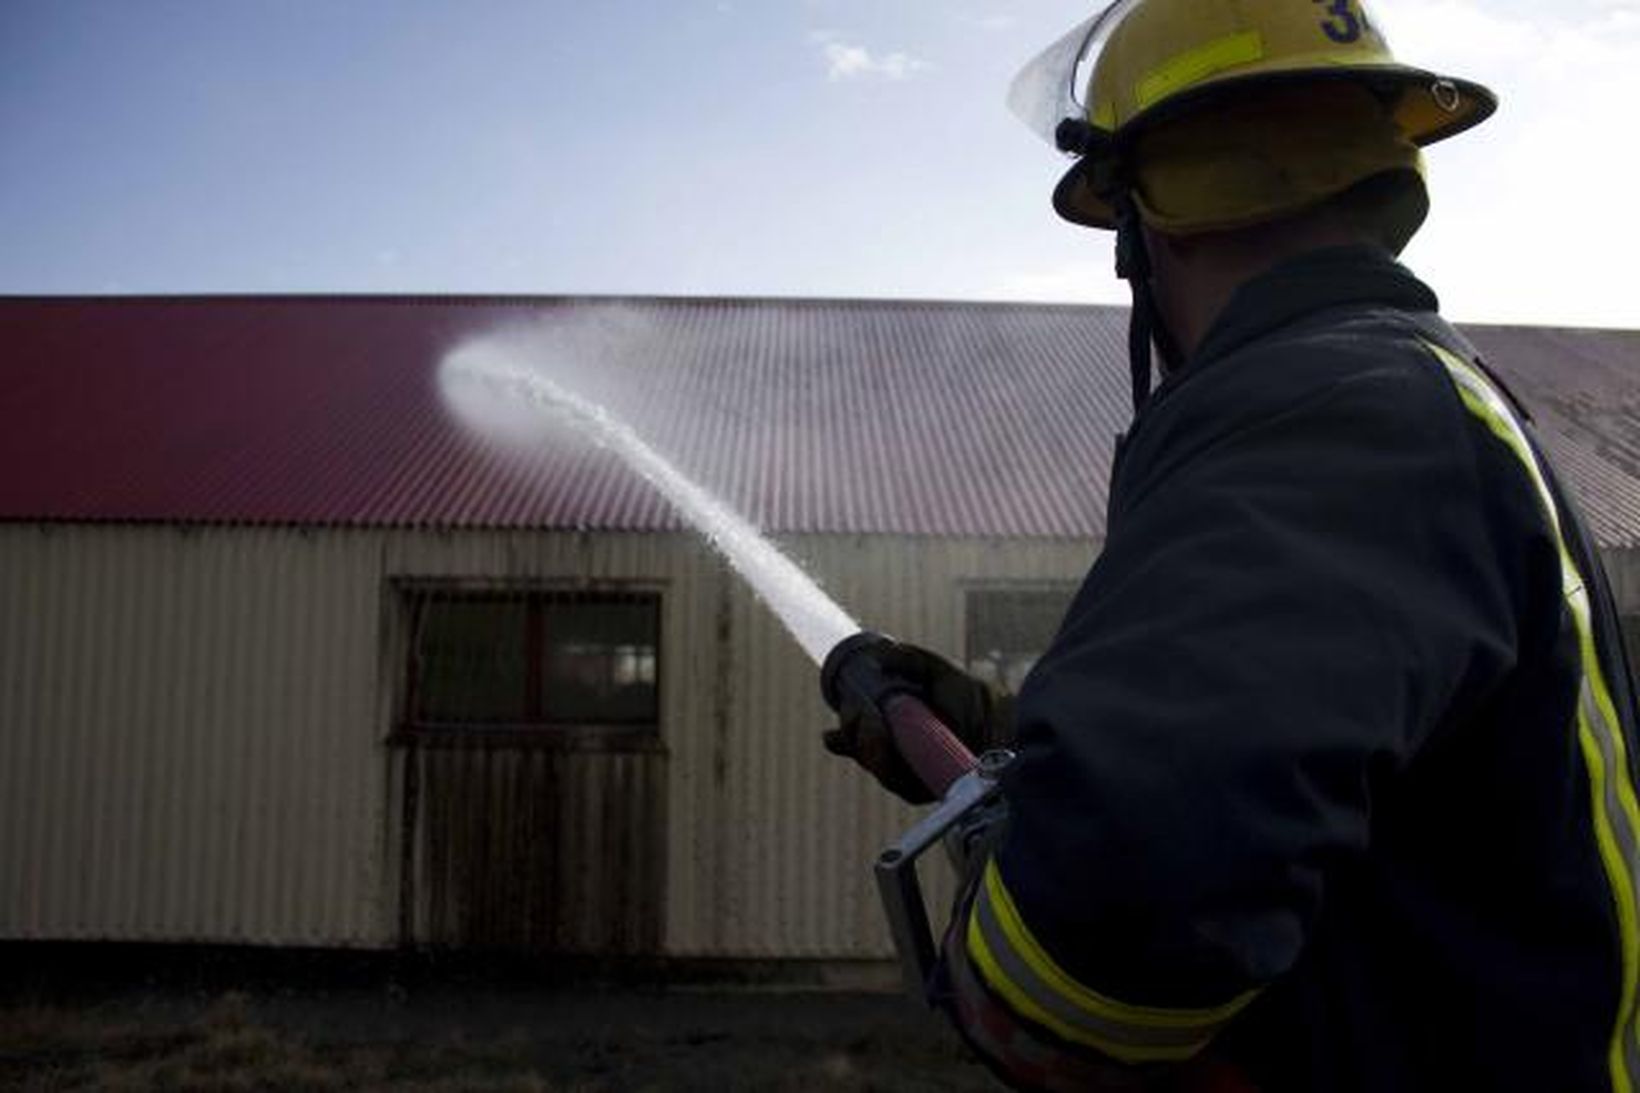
(1318, 281)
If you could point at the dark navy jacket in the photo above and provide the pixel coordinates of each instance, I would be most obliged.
(1325, 773)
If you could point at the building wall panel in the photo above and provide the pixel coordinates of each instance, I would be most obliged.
(186, 721)
(194, 724)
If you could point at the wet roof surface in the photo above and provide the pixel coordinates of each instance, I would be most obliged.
(808, 416)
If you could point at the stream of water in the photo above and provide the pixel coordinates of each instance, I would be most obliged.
(474, 376)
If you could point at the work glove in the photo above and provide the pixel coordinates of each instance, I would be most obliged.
(980, 717)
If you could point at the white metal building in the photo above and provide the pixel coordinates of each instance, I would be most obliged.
(289, 659)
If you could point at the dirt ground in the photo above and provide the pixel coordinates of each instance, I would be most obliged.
(447, 1038)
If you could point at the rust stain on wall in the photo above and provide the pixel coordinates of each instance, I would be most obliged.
(542, 843)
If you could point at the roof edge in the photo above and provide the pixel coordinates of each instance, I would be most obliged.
(537, 299)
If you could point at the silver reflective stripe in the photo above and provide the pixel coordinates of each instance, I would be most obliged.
(1125, 1042)
(1600, 733)
(1627, 849)
(1014, 965)
(1018, 1047)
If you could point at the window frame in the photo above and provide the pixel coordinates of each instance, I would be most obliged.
(1068, 586)
(407, 597)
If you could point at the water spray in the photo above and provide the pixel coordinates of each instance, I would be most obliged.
(488, 384)
(474, 378)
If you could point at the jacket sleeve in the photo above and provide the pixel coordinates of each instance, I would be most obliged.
(1291, 597)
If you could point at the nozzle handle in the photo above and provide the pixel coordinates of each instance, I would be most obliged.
(930, 748)
(934, 753)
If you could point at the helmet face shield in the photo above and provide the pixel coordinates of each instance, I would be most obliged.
(1049, 90)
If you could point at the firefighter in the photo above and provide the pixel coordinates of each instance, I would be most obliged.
(1327, 781)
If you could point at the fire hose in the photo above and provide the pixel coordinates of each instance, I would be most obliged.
(963, 783)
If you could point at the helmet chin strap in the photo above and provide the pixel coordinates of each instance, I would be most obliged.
(1146, 326)
(1079, 138)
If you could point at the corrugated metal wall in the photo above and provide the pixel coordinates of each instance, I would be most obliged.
(541, 849)
(193, 729)
(186, 736)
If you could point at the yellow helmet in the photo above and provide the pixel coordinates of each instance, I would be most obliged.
(1215, 114)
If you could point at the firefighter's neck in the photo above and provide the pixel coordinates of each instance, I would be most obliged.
(1195, 276)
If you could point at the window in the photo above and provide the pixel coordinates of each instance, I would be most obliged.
(527, 659)
(1009, 628)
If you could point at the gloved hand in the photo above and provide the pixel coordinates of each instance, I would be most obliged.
(981, 718)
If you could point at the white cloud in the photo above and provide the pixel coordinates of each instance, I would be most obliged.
(852, 62)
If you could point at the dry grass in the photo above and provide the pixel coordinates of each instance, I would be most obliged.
(228, 1045)
(51, 1048)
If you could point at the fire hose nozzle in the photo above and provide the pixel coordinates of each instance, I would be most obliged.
(861, 675)
(935, 754)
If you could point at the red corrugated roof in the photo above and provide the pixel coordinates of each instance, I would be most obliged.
(808, 416)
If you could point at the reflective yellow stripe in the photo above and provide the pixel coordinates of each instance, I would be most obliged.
(1021, 1003)
(1196, 65)
(1622, 886)
(1014, 964)
(1090, 1000)
(1615, 808)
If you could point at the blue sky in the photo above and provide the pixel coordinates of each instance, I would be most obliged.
(783, 147)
